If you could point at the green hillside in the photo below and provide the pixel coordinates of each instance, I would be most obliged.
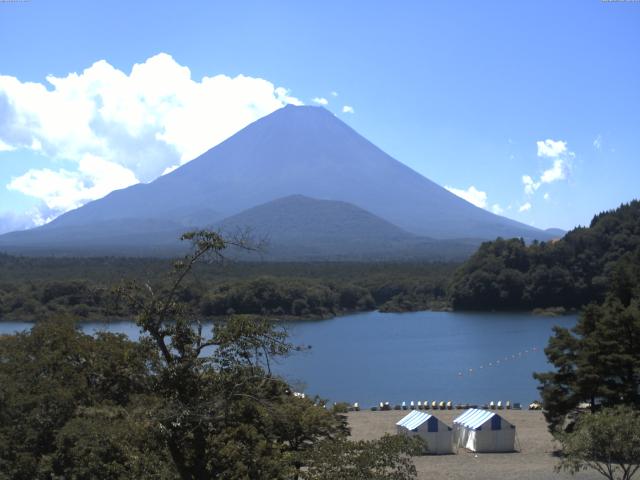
(570, 272)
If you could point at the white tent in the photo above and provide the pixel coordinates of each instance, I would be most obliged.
(484, 431)
(437, 434)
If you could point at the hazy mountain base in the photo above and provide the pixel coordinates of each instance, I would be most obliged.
(306, 229)
(295, 228)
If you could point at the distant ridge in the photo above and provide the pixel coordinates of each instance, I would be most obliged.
(301, 217)
(302, 228)
(556, 232)
(295, 150)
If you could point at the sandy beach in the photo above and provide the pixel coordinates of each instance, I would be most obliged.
(534, 459)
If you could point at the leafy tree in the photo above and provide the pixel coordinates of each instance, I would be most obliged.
(48, 374)
(224, 415)
(385, 459)
(301, 422)
(110, 443)
(213, 408)
(607, 442)
(598, 361)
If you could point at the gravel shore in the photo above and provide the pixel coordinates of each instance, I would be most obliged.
(534, 459)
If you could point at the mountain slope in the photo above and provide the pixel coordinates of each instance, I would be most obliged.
(138, 237)
(295, 150)
(302, 228)
(556, 232)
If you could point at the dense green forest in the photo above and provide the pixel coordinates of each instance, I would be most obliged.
(570, 272)
(87, 288)
(503, 274)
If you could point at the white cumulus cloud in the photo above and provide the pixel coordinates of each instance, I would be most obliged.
(478, 198)
(320, 101)
(64, 190)
(524, 208)
(5, 148)
(497, 209)
(530, 186)
(334, 94)
(119, 128)
(471, 195)
(551, 148)
(559, 170)
(348, 109)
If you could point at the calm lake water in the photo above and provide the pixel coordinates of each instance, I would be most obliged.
(395, 357)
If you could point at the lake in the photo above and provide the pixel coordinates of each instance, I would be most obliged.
(372, 357)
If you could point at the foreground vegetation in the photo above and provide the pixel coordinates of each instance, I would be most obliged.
(607, 442)
(597, 365)
(83, 407)
(597, 362)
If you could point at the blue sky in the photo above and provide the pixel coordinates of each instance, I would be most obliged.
(531, 109)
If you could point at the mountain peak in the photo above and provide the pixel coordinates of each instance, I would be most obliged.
(295, 150)
(309, 108)
(297, 113)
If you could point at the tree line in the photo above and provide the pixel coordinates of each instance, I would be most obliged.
(570, 272)
(33, 289)
(505, 274)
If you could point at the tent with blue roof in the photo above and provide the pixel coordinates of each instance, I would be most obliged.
(437, 434)
(484, 431)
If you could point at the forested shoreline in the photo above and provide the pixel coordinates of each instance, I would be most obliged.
(32, 288)
(505, 274)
